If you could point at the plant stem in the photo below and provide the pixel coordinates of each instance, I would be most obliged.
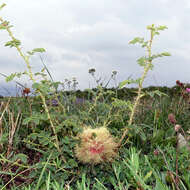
(26, 60)
(146, 69)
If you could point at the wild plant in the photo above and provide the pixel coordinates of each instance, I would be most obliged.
(146, 63)
(100, 82)
(43, 87)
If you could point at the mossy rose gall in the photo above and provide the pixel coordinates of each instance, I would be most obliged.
(96, 146)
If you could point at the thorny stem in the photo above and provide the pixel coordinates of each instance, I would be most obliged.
(146, 69)
(26, 59)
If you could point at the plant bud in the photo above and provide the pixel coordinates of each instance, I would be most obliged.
(177, 127)
(171, 118)
(188, 90)
(156, 152)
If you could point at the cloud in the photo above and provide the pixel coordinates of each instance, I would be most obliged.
(79, 35)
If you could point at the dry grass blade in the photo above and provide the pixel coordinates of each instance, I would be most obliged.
(13, 125)
(3, 108)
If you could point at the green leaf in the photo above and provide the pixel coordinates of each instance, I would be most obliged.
(160, 185)
(123, 83)
(35, 85)
(3, 5)
(39, 50)
(33, 136)
(122, 103)
(142, 61)
(13, 75)
(22, 157)
(162, 27)
(10, 77)
(128, 81)
(72, 163)
(156, 92)
(137, 40)
(45, 88)
(40, 74)
(144, 44)
(158, 55)
(13, 43)
(166, 54)
(148, 175)
(42, 173)
(150, 27)
(156, 33)
(36, 50)
(30, 52)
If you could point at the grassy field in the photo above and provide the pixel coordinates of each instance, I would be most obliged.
(99, 139)
(151, 156)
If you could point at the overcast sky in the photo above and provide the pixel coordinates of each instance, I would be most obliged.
(83, 34)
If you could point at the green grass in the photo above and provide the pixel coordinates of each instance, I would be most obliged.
(137, 164)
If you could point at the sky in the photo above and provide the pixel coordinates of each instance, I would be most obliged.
(82, 34)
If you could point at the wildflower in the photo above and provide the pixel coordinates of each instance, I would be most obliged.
(96, 146)
(188, 90)
(156, 152)
(171, 118)
(26, 91)
(92, 71)
(179, 83)
(54, 102)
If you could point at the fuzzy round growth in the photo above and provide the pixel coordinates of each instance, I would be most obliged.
(96, 146)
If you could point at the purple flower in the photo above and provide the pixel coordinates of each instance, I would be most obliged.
(188, 90)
